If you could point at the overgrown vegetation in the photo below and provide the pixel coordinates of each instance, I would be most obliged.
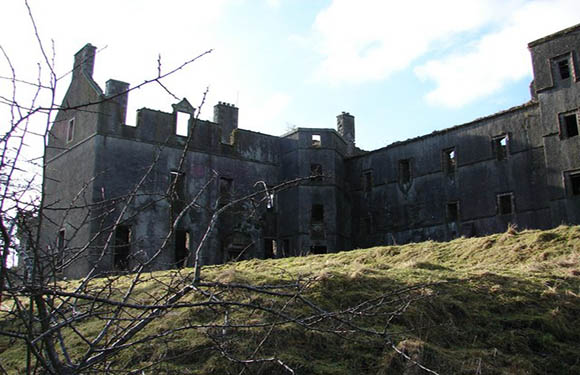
(506, 303)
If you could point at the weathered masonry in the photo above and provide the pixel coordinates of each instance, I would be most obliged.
(119, 196)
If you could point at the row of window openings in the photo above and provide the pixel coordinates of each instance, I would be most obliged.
(449, 163)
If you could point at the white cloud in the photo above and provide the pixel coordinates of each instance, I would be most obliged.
(370, 39)
(273, 3)
(497, 58)
(264, 113)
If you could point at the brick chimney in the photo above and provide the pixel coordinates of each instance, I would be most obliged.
(226, 115)
(345, 127)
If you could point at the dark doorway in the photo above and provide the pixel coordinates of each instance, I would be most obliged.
(181, 248)
(122, 248)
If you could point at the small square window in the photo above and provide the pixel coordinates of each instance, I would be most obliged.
(505, 204)
(70, 131)
(452, 211)
(499, 146)
(449, 161)
(316, 140)
(404, 171)
(568, 125)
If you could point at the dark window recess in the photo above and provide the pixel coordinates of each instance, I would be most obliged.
(568, 125)
(452, 211)
(505, 204)
(70, 131)
(226, 185)
(177, 186)
(270, 248)
(286, 248)
(368, 181)
(60, 240)
(181, 248)
(316, 140)
(575, 183)
(122, 248)
(404, 171)
(564, 69)
(499, 145)
(317, 213)
(318, 249)
(449, 161)
(316, 172)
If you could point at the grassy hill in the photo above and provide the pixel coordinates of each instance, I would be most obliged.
(503, 304)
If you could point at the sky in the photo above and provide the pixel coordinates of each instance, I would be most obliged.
(402, 68)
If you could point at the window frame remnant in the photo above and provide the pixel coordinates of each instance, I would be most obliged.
(568, 124)
(452, 211)
(182, 120)
(572, 182)
(405, 172)
(449, 161)
(500, 146)
(505, 204)
(122, 248)
(316, 140)
(563, 67)
(70, 130)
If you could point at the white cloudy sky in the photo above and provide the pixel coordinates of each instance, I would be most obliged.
(402, 68)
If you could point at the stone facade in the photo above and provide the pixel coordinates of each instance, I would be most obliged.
(114, 192)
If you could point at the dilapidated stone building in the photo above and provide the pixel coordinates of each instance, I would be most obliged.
(117, 195)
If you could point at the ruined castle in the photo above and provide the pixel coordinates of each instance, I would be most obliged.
(116, 196)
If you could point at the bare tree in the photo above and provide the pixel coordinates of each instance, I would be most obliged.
(49, 317)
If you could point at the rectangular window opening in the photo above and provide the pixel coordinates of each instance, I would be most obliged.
(182, 124)
(405, 171)
(317, 213)
(568, 125)
(316, 172)
(270, 248)
(564, 69)
(70, 131)
(316, 140)
(499, 145)
(177, 186)
(452, 211)
(226, 186)
(368, 180)
(505, 204)
(181, 248)
(449, 161)
(574, 181)
(122, 249)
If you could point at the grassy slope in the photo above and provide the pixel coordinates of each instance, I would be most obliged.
(509, 303)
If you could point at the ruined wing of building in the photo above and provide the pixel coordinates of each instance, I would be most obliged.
(114, 192)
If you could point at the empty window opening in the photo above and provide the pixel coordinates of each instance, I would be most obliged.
(182, 124)
(60, 240)
(368, 180)
(318, 249)
(405, 171)
(316, 172)
(270, 248)
(575, 183)
(568, 125)
(286, 248)
(317, 213)
(505, 204)
(177, 186)
(564, 69)
(226, 186)
(499, 145)
(452, 211)
(449, 161)
(316, 140)
(181, 248)
(122, 248)
(70, 131)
